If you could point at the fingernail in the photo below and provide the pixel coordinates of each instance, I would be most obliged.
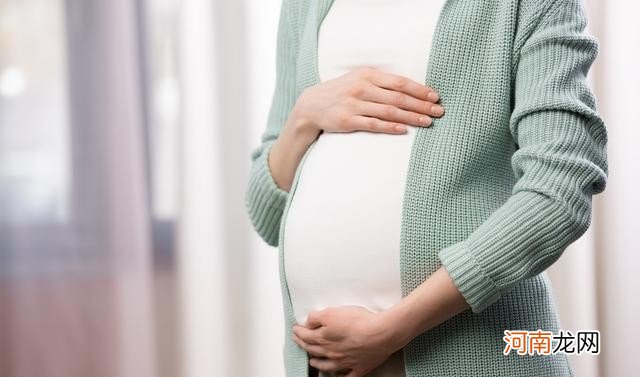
(437, 109)
(401, 128)
(425, 120)
(433, 96)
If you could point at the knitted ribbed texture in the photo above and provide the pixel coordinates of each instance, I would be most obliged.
(496, 189)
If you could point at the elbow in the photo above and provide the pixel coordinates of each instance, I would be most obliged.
(264, 200)
(264, 218)
(569, 222)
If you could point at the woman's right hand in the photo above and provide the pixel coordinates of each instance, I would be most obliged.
(367, 99)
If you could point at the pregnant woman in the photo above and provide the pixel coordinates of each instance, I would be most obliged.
(424, 162)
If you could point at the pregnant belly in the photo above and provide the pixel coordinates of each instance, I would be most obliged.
(341, 240)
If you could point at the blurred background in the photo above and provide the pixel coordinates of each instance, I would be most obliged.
(125, 250)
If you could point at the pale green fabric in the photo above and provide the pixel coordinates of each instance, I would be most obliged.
(496, 189)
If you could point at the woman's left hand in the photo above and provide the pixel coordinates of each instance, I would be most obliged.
(348, 339)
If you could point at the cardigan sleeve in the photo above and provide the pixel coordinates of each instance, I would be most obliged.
(264, 200)
(560, 162)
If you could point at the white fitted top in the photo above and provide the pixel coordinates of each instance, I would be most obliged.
(331, 226)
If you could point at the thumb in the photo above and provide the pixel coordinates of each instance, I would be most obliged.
(313, 319)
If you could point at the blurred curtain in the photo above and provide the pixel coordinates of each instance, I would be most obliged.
(75, 295)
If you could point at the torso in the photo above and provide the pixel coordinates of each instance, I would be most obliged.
(331, 226)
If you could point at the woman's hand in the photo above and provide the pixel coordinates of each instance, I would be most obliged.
(347, 339)
(355, 340)
(367, 99)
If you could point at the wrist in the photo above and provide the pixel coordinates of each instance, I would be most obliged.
(302, 126)
(397, 324)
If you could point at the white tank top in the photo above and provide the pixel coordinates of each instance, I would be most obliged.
(338, 248)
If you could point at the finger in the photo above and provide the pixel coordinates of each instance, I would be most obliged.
(306, 335)
(314, 350)
(400, 83)
(402, 101)
(325, 365)
(373, 124)
(392, 114)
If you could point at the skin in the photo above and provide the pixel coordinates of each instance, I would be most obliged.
(352, 340)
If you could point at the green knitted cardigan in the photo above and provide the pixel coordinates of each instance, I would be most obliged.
(496, 189)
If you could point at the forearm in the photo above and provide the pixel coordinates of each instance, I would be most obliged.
(287, 151)
(431, 303)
